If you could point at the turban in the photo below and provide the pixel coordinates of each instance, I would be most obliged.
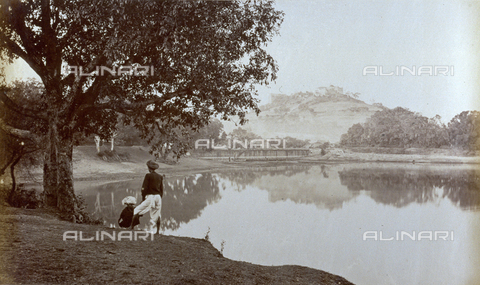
(129, 200)
(152, 164)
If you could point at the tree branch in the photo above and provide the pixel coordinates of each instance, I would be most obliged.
(9, 162)
(17, 133)
(10, 104)
(31, 61)
(127, 107)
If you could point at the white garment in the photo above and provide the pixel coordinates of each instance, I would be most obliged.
(152, 203)
(129, 200)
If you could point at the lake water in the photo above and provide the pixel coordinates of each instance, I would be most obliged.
(318, 216)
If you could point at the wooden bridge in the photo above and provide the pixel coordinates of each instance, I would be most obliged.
(254, 153)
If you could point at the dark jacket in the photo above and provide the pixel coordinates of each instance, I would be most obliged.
(152, 185)
(126, 216)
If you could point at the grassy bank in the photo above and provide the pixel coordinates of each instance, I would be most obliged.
(406, 155)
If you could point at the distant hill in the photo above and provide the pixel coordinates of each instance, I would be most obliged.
(323, 115)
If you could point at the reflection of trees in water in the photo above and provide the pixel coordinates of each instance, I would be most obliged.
(314, 186)
(301, 184)
(324, 171)
(183, 199)
(400, 187)
(243, 177)
(463, 188)
(107, 200)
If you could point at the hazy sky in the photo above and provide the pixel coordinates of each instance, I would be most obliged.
(323, 43)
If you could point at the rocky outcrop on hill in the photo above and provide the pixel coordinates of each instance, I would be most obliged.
(323, 115)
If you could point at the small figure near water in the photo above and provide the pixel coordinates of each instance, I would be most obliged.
(152, 193)
(126, 217)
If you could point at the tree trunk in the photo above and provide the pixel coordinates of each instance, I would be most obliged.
(7, 164)
(66, 200)
(97, 143)
(50, 167)
(14, 183)
(58, 172)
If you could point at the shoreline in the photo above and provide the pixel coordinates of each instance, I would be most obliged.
(88, 168)
(190, 165)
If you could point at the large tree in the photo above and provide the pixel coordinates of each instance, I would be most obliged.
(207, 57)
(464, 130)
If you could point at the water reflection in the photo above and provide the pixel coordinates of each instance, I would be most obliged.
(241, 178)
(402, 186)
(325, 186)
(183, 200)
(304, 184)
(105, 201)
(316, 215)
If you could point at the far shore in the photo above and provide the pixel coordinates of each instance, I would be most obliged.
(89, 167)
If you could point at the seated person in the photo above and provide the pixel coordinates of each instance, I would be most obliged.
(126, 216)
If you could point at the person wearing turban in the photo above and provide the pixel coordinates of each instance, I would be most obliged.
(152, 193)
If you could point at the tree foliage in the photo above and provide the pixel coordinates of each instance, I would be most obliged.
(397, 127)
(20, 147)
(242, 135)
(207, 57)
(128, 135)
(21, 136)
(464, 130)
(291, 142)
(212, 131)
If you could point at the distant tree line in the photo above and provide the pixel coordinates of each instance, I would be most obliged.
(401, 127)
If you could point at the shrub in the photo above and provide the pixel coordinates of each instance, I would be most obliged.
(82, 216)
(26, 198)
(108, 155)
